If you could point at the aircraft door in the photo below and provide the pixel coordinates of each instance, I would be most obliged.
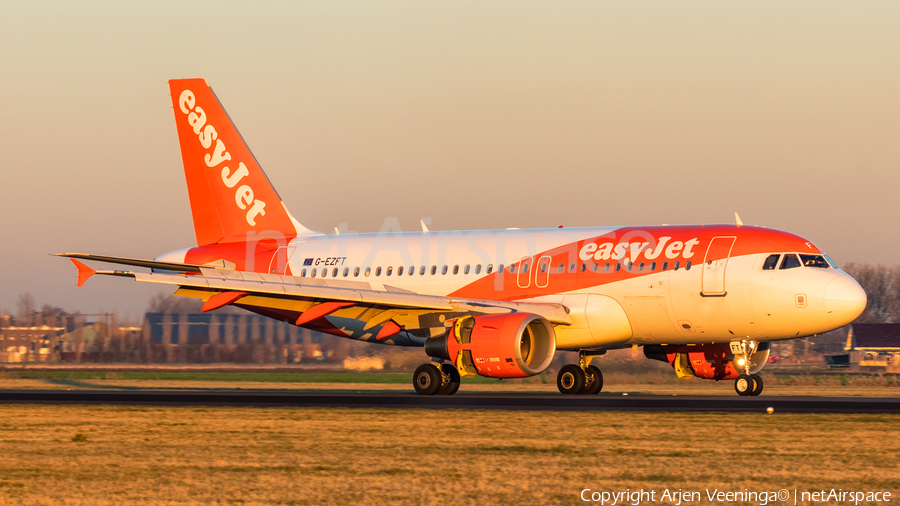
(714, 264)
(523, 276)
(279, 262)
(542, 272)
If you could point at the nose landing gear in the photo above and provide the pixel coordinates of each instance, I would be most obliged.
(582, 378)
(746, 384)
(751, 384)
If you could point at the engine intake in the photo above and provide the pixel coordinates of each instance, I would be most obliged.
(512, 345)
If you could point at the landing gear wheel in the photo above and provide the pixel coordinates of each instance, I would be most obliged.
(427, 379)
(757, 384)
(593, 382)
(744, 385)
(570, 379)
(453, 385)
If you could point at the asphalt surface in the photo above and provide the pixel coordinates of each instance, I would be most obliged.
(500, 401)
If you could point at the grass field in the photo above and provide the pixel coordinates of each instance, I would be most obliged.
(124, 455)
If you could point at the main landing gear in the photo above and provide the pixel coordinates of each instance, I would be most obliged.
(581, 378)
(436, 379)
(746, 384)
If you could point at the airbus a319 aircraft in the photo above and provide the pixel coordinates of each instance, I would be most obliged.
(707, 299)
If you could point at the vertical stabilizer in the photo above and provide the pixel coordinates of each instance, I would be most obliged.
(232, 200)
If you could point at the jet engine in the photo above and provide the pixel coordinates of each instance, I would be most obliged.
(512, 345)
(707, 361)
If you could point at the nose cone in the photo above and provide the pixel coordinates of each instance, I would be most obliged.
(844, 300)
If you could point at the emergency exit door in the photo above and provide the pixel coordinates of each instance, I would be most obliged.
(714, 265)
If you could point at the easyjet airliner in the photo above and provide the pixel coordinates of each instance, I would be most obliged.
(709, 299)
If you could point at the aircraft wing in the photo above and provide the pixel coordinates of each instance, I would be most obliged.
(219, 287)
(134, 262)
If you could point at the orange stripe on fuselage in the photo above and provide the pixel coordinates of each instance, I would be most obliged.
(749, 240)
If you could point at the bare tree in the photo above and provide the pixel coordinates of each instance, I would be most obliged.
(882, 286)
(161, 303)
(26, 309)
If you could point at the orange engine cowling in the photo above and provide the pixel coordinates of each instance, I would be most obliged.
(707, 361)
(512, 345)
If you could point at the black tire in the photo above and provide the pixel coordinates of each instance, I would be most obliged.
(593, 382)
(743, 385)
(570, 379)
(453, 385)
(757, 384)
(427, 379)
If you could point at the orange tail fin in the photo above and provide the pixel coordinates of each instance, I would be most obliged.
(232, 200)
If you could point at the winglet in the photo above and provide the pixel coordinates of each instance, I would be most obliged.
(424, 228)
(737, 219)
(84, 272)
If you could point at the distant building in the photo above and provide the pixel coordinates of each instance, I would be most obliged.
(875, 345)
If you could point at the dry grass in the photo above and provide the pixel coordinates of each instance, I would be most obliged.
(118, 455)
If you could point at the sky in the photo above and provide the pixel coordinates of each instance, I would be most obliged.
(473, 114)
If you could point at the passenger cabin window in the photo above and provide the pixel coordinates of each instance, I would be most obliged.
(571, 267)
(814, 261)
(455, 269)
(583, 266)
(390, 270)
(594, 266)
(444, 270)
(378, 271)
(466, 269)
(399, 271)
(652, 266)
(512, 269)
(687, 265)
(303, 273)
(790, 261)
(422, 271)
(606, 267)
(618, 266)
(368, 271)
(346, 271)
(313, 273)
(490, 268)
(433, 270)
(324, 273)
(478, 269)
(500, 269)
(412, 270)
(665, 266)
(675, 267)
(641, 266)
(356, 272)
(561, 267)
(771, 262)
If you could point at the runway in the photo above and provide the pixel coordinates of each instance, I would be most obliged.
(482, 401)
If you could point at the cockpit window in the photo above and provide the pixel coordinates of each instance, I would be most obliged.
(814, 261)
(771, 262)
(790, 261)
